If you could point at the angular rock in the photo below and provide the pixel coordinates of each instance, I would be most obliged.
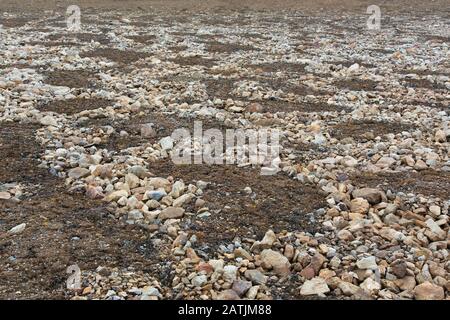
(256, 276)
(17, 229)
(428, 291)
(275, 260)
(241, 287)
(78, 173)
(367, 263)
(315, 286)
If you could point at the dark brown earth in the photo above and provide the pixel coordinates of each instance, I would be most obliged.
(194, 61)
(279, 67)
(119, 56)
(71, 78)
(165, 124)
(367, 129)
(356, 84)
(62, 228)
(144, 39)
(273, 106)
(277, 202)
(422, 83)
(219, 47)
(76, 105)
(427, 182)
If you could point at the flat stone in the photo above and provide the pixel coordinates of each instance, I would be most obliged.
(367, 263)
(399, 268)
(147, 130)
(171, 213)
(116, 195)
(48, 121)
(374, 196)
(256, 276)
(78, 173)
(132, 180)
(5, 195)
(166, 143)
(230, 273)
(315, 286)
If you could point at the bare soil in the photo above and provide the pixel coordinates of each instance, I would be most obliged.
(426, 182)
(71, 78)
(367, 129)
(119, 56)
(277, 202)
(76, 105)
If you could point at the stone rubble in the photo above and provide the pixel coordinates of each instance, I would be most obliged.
(374, 242)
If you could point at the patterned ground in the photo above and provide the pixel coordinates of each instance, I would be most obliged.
(357, 108)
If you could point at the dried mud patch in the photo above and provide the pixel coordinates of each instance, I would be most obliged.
(277, 202)
(426, 182)
(76, 105)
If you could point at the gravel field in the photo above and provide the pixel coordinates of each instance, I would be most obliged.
(359, 208)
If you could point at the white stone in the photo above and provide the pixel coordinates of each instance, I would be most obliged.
(17, 229)
(315, 286)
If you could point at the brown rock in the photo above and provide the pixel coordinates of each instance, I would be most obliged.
(374, 196)
(359, 205)
(428, 291)
(254, 107)
(406, 283)
(147, 130)
(275, 260)
(398, 268)
(228, 295)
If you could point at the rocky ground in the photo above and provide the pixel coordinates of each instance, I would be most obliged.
(360, 209)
